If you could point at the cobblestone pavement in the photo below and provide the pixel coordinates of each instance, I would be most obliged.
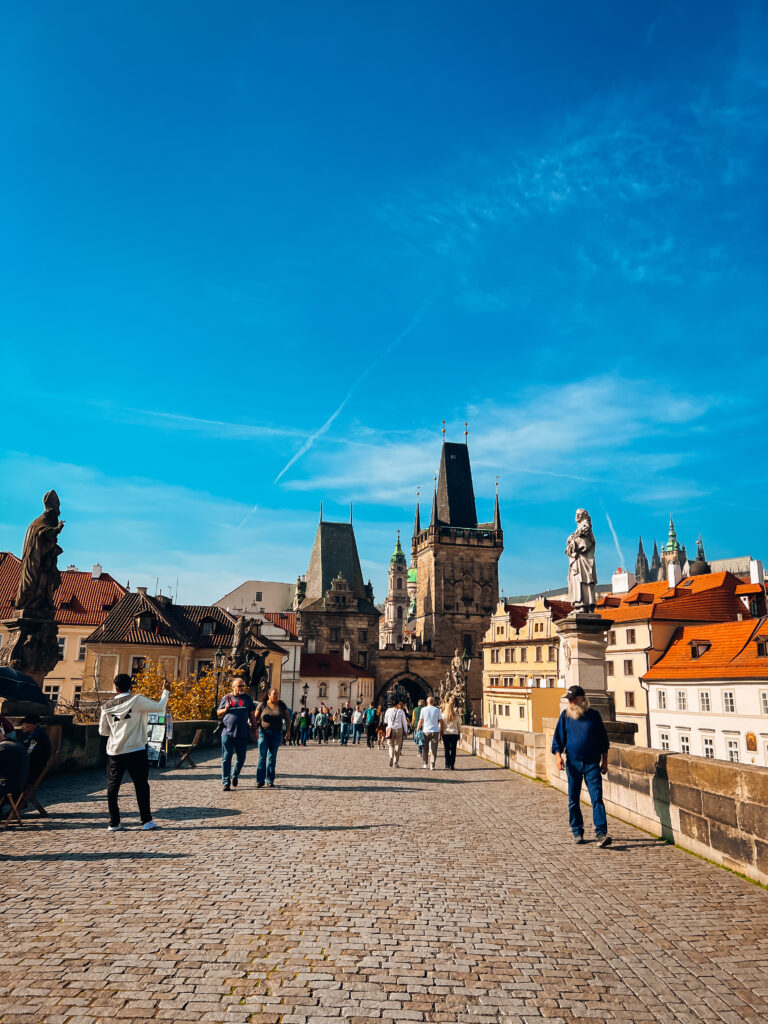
(352, 890)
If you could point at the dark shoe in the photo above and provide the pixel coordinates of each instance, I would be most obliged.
(271, 785)
(259, 785)
(578, 839)
(225, 787)
(234, 783)
(604, 841)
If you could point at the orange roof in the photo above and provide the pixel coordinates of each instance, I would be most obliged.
(285, 620)
(330, 665)
(710, 598)
(749, 588)
(728, 650)
(80, 599)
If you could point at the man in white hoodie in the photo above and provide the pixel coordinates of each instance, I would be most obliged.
(124, 722)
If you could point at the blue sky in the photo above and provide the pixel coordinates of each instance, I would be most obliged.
(255, 253)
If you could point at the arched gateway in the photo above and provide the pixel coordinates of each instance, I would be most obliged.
(407, 687)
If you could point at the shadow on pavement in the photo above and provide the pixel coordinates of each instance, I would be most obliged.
(97, 855)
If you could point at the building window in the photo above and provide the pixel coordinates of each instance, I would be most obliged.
(468, 643)
(343, 689)
(629, 699)
(506, 710)
(494, 656)
(523, 654)
(661, 700)
(709, 746)
(78, 694)
(399, 583)
(145, 622)
(62, 642)
(207, 627)
(630, 636)
(705, 704)
(729, 702)
(362, 634)
(258, 595)
(203, 667)
(362, 659)
(333, 634)
(685, 743)
(137, 665)
(322, 690)
(81, 649)
(521, 711)
(733, 750)
(507, 654)
(538, 654)
(628, 667)
(51, 690)
(552, 654)
(612, 636)
(764, 703)
(681, 700)
(664, 740)
(609, 667)
(762, 648)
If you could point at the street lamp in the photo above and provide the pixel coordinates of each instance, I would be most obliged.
(466, 661)
(304, 693)
(218, 660)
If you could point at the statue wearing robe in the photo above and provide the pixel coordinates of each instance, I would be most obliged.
(40, 576)
(582, 576)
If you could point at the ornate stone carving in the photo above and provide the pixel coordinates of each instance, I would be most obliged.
(582, 576)
(40, 576)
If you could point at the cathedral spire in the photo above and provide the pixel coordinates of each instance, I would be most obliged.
(433, 520)
(417, 519)
(642, 571)
(496, 513)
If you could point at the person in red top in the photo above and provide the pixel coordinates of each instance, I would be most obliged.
(239, 714)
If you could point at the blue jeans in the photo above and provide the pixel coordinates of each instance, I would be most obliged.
(269, 741)
(589, 772)
(344, 733)
(357, 733)
(229, 746)
(303, 735)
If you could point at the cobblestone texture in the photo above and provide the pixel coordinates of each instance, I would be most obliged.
(358, 892)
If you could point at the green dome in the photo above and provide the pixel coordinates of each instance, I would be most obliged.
(399, 554)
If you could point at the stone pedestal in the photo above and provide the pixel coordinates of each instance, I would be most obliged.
(33, 646)
(583, 642)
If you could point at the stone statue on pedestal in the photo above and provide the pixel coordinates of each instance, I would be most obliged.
(33, 646)
(582, 575)
(453, 686)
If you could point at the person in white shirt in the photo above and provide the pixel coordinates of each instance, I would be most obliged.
(396, 725)
(431, 724)
(124, 722)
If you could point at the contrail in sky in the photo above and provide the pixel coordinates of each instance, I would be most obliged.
(622, 563)
(319, 433)
(322, 430)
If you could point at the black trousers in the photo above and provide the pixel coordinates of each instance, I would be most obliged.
(449, 746)
(137, 766)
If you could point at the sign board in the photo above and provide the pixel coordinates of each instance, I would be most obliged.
(156, 728)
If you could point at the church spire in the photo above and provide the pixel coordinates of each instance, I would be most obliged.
(417, 518)
(433, 520)
(496, 513)
(641, 565)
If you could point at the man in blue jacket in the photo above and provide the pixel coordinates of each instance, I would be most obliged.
(581, 736)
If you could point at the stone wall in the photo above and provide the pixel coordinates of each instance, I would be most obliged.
(716, 809)
(80, 746)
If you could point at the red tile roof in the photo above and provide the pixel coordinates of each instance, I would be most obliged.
(286, 621)
(173, 624)
(728, 650)
(327, 665)
(559, 609)
(80, 599)
(518, 614)
(709, 598)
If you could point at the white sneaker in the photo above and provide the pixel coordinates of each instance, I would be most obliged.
(116, 828)
(148, 826)
(424, 766)
(431, 767)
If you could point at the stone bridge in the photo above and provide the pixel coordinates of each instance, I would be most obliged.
(361, 892)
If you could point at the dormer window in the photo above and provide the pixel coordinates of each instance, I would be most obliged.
(207, 627)
(145, 621)
(762, 647)
(699, 647)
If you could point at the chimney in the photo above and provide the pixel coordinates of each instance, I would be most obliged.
(622, 581)
(756, 573)
(71, 568)
(96, 572)
(675, 574)
(141, 590)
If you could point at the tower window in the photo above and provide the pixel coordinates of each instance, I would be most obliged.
(399, 583)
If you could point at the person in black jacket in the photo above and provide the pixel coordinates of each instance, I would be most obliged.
(581, 736)
(38, 744)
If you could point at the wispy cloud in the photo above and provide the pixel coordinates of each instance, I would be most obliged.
(211, 428)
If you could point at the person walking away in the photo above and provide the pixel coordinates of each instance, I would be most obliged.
(451, 733)
(370, 726)
(581, 736)
(239, 716)
(38, 744)
(381, 729)
(123, 721)
(396, 725)
(416, 714)
(346, 723)
(358, 721)
(303, 726)
(431, 724)
(270, 717)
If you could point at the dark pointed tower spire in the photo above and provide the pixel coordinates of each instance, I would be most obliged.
(642, 571)
(496, 513)
(350, 511)
(321, 511)
(433, 519)
(417, 518)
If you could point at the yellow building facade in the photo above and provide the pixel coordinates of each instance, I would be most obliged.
(521, 671)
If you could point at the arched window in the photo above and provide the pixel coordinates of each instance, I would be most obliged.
(400, 611)
(399, 582)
